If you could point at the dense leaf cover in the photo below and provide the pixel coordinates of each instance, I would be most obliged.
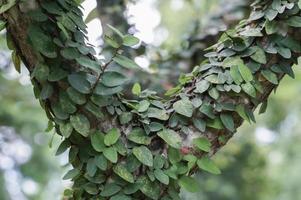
(148, 147)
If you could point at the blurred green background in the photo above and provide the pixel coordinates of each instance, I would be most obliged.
(262, 161)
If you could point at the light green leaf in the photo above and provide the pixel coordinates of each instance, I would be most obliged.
(245, 72)
(111, 154)
(144, 155)
(125, 62)
(129, 40)
(97, 141)
(184, 107)
(81, 124)
(157, 113)
(2, 25)
(249, 89)
(122, 171)
(113, 43)
(259, 56)
(161, 176)
(171, 138)
(66, 129)
(189, 184)
(138, 136)
(235, 74)
(136, 90)
(202, 144)
(202, 86)
(115, 30)
(112, 136)
(143, 106)
(208, 165)
(71, 174)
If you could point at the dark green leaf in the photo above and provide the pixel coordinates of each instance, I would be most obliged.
(113, 79)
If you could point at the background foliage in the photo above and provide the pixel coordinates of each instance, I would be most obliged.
(261, 162)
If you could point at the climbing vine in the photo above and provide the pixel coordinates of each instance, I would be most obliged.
(146, 147)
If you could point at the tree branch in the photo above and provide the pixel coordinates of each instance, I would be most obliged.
(148, 148)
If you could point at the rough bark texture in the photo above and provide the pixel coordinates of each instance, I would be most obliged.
(151, 147)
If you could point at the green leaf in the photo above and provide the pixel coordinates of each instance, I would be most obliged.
(115, 30)
(184, 107)
(110, 189)
(202, 86)
(2, 25)
(245, 72)
(138, 136)
(41, 41)
(40, 72)
(47, 91)
(70, 53)
(122, 171)
(91, 167)
(270, 76)
(66, 129)
(228, 122)
(189, 184)
(214, 93)
(112, 136)
(104, 90)
(143, 106)
(101, 162)
(171, 138)
(80, 83)
(249, 89)
(136, 90)
(71, 174)
(208, 165)
(202, 144)
(81, 124)
(88, 62)
(161, 176)
(150, 189)
(120, 197)
(129, 40)
(113, 43)
(199, 124)
(111, 154)
(259, 56)
(144, 155)
(97, 141)
(235, 74)
(294, 21)
(90, 188)
(113, 79)
(75, 96)
(157, 113)
(125, 62)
